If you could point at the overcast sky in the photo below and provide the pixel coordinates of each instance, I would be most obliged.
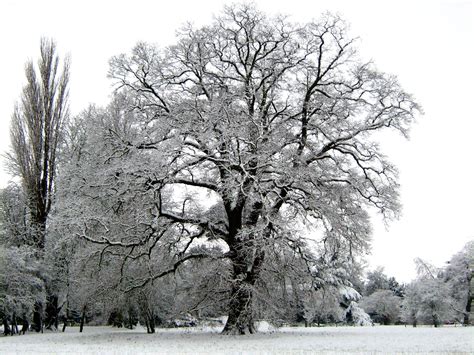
(427, 44)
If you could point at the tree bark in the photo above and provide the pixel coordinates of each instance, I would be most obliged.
(6, 327)
(52, 312)
(468, 312)
(470, 298)
(37, 324)
(83, 317)
(14, 325)
(151, 324)
(25, 325)
(240, 320)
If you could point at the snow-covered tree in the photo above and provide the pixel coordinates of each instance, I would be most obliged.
(458, 275)
(20, 285)
(383, 306)
(397, 288)
(355, 315)
(36, 129)
(376, 280)
(240, 136)
(323, 306)
(427, 299)
(36, 134)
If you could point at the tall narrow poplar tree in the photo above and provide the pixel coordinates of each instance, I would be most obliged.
(36, 130)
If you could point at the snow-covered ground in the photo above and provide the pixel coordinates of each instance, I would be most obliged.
(335, 340)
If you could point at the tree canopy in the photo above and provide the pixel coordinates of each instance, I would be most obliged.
(253, 136)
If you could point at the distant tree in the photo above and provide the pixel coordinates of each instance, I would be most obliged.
(355, 315)
(376, 280)
(397, 288)
(382, 306)
(427, 299)
(323, 306)
(458, 275)
(239, 136)
(411, 305)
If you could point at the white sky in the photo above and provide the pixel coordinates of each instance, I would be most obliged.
(427, 44)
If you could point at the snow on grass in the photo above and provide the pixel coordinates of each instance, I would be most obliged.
(288, 340)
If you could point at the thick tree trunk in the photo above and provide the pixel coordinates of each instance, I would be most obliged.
(240, 321)
(247, 257)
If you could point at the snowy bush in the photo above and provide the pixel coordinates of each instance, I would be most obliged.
(356, 315)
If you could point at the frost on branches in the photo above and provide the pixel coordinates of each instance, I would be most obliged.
(244, 149)
(356, 315)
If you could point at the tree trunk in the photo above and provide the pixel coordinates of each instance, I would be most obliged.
(6, 327)
(468, 309)
(52, 312)
(37, 324)
(240, 321)
(151, 324)
(25, 325)
(83, 317)
(14, 324)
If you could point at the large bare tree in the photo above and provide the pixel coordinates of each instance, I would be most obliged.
(271, 123)
(35, 133)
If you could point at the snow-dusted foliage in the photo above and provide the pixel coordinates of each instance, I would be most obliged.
(251, 136)
(376, 280)
(348, 293)
(323, 306)
(20, 285)
(458, 275)
(427, 299)
(354, 314)
(383, 306)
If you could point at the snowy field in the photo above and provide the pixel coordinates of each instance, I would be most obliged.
(330, 340)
